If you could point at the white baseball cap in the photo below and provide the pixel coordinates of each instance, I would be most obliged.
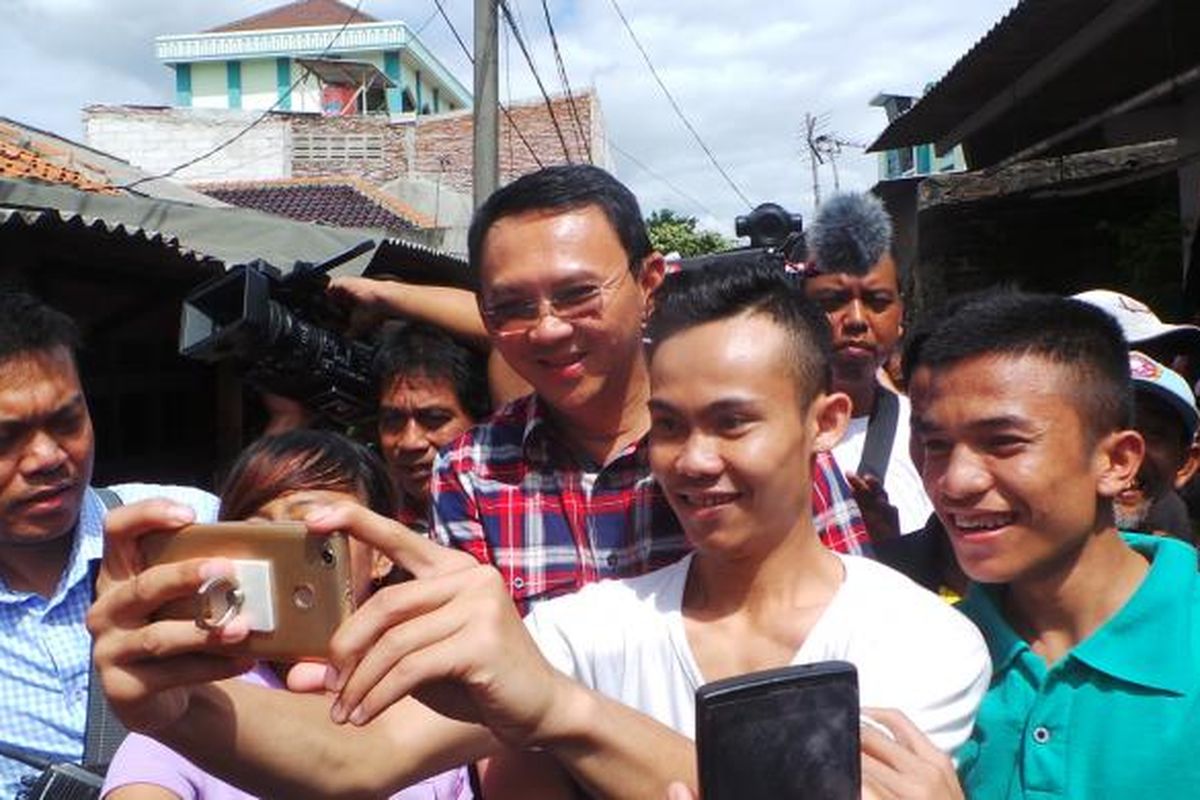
(1138, 322)
(1166, 384)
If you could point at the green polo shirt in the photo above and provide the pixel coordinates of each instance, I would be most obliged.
(1117, 717)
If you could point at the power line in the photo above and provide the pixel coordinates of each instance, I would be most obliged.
(512, 24)
(222, 145)
(467, 52)
(562, 76)
(664, 180)
(674, 105)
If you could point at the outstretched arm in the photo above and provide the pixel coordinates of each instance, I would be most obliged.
(372, 300)
(415, 670)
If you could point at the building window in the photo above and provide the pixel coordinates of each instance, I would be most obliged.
(424, 108)
(233, 82)
(435, 100)
(183, 85)
(391, 68)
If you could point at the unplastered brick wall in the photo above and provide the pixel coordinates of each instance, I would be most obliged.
(443, 148)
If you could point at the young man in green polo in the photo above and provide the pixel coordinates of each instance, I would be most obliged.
(1023, 408)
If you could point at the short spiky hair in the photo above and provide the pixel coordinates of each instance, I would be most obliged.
(693, 297)
(27, 325)
(560, 189)
(1077, 336)
(850, 233)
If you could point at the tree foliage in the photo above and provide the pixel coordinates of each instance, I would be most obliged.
(673, 232)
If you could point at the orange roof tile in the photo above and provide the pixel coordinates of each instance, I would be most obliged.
(300, 14)
(20, 162)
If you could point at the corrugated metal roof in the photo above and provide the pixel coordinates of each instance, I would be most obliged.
(1048, 72)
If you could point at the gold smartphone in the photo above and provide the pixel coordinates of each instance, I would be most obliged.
(293, 586)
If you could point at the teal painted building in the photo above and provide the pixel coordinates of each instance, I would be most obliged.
(255, 63)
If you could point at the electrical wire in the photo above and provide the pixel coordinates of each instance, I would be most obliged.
(675, 106)
(512, 24)
(508, 116)
(562, 76)
(222, 145)
(663, 180)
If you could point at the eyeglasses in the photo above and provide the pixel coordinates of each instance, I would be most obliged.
(571, 304)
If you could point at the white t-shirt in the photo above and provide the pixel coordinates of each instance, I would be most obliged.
(901, 481)
(626, 640)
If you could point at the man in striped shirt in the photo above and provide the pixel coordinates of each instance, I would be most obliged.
(555, 491)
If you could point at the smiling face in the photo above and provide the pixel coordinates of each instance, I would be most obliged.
(417, 417)
(730, 444)
(864, 312)
(46, 447)
(1016, 477)
(585, 364)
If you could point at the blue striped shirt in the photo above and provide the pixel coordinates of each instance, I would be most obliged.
(45, 650)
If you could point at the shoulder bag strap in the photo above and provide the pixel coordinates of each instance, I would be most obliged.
(881, 434)
(104, 731)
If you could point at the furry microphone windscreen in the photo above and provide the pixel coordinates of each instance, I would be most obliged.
(851, 233)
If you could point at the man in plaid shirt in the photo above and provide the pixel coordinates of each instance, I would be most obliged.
(555, 491)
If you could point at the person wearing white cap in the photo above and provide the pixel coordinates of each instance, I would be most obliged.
(1167, 418)
(1145, 331)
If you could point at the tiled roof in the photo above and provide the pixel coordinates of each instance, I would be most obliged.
(342, 202)
(300, 14)
(17, 161)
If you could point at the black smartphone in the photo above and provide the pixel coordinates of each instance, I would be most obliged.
(782, 733)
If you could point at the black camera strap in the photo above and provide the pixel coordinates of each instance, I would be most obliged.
(881, 434)
(104, 732)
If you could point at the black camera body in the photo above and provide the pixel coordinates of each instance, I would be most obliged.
(776, 240)
(276, 330)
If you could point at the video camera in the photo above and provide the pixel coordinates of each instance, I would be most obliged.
(776, 239)
(275, 329)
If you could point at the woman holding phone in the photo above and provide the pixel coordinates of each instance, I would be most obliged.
(280, 478)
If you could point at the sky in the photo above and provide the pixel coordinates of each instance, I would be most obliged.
(743, 73)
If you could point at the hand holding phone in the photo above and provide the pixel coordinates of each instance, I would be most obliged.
(294, 587)
(783, 733)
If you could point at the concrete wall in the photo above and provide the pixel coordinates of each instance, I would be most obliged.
(158, 139)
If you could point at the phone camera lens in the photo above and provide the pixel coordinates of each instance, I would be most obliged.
(328, 557)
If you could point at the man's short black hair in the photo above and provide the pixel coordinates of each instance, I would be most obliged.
(559, 189)
(413, 349)
(704, 294)
(27, 325)
(850, 233)
(1077, 336)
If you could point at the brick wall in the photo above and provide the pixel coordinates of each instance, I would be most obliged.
(374, 148)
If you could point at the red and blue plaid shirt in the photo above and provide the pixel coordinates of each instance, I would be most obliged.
(511, 494)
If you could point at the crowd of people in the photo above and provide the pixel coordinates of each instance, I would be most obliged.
(606, 481)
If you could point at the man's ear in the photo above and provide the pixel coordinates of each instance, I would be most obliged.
(1191, 461)
(1118, 457)
(650, 277)
(830, 414)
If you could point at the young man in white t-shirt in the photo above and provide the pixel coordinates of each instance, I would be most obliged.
(740, 403)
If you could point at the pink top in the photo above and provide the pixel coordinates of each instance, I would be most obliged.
(141, 759)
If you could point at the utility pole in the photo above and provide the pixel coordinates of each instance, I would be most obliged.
(811, 124)
(487, 96)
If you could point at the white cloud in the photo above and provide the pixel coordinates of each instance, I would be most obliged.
(744, 73)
